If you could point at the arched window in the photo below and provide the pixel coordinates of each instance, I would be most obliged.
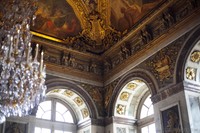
(54, 116)
(146, 119)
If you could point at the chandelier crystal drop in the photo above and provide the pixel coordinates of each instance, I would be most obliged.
(22, 78)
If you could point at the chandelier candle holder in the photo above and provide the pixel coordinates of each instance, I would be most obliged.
(22, 79)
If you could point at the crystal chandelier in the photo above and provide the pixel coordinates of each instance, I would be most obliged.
(22, 79)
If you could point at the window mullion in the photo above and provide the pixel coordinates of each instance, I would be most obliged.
(53, 111)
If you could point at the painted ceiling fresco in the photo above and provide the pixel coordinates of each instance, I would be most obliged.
(90, 25)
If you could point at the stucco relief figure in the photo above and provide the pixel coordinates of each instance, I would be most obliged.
(68, 60)
(92, 67)
(146, 35)
(125, 52)
(168, 18)
(107, 64)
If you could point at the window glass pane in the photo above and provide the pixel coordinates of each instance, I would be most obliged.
(150, 111)
(68, 117)
(47, 115)
(46, 105)
(143, 112)
(152, 128)
(46, 130)
(145, 130)
(43, 108)
(40, 112)
(59, 131)
(148, 102)
(37, 130)
(42, 130)
(59, 117)
(147, 108)
(60, 108)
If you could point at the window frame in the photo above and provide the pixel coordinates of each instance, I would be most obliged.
(52, 124)
(146, 121)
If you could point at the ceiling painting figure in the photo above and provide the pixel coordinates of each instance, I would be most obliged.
(57, 19)
(125, 13)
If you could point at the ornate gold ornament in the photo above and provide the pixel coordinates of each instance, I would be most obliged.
(68, 93)
(124, 96)
(191, 73)
(131, 86)
(85, 112)
(195, 56)
(121, 109)
(78, 101)
(162, 66)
